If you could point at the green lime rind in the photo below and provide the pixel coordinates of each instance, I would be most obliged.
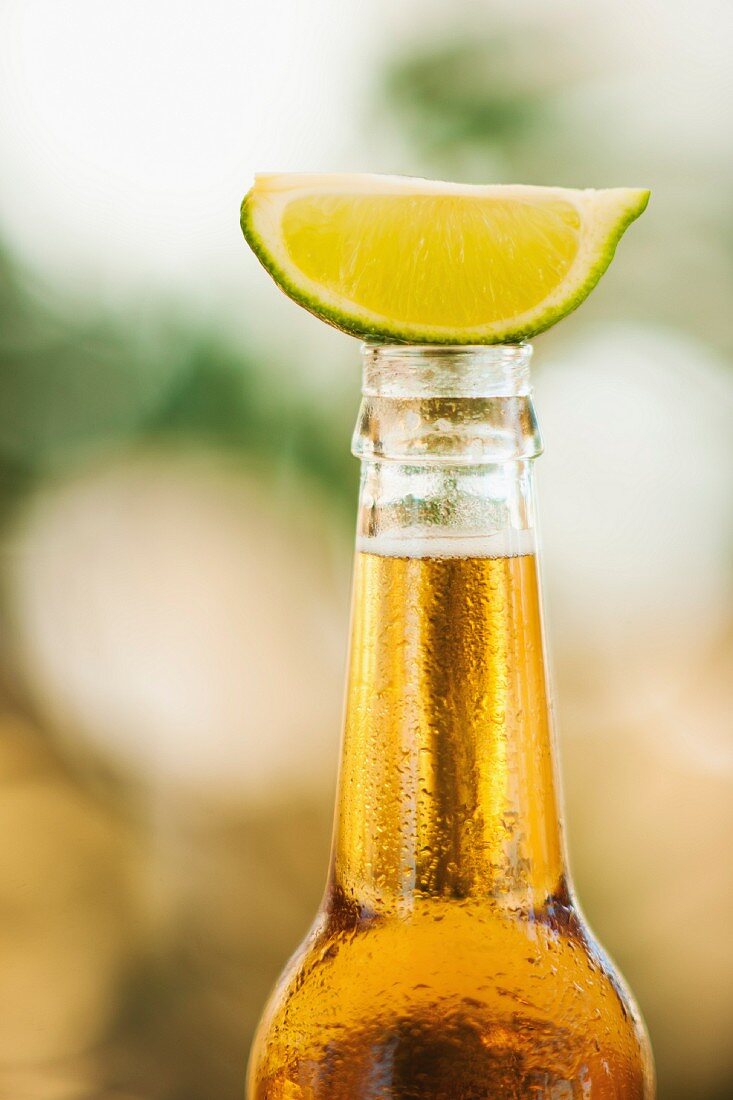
(355, 324)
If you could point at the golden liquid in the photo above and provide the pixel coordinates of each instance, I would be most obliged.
(448, 962)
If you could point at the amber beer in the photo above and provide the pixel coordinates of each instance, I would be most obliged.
(448, 960)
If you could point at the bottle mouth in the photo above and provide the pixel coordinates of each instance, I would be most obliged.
(446, 370)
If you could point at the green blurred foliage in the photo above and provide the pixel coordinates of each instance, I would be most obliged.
(465, 93)
(71, 389)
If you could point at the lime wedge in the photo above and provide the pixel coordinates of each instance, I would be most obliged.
(439, 263)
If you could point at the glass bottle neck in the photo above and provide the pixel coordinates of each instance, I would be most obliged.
(447, 785)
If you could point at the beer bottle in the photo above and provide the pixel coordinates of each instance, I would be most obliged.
(449, 960)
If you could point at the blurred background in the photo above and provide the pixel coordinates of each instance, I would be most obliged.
(177, 502)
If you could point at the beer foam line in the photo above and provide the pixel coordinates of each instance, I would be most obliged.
(502, 544)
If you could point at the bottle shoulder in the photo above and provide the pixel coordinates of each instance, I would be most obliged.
(530, 992)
